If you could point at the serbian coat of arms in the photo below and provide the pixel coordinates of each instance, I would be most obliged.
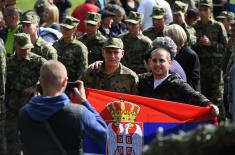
(125, 136)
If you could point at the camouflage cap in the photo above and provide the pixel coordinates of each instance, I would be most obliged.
(158, 12)
(70, 22)
(226, 14)
(113, 43)
(134, 17)
(30, 19)
(93, 18)
(206, 3)
(180, 6)
(23, 40)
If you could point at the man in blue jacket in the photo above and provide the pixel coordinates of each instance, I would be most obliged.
(51, 124)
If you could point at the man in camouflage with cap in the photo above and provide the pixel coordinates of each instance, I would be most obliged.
(135, 43)
(159, 21)
(71, 52)
(179, 11)
(112, 75)
(2, 99)
(30, 24)
(226, 17)
(22, 79)
(93, 38)
(210, 46)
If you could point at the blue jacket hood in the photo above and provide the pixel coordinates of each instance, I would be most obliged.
(40, 108)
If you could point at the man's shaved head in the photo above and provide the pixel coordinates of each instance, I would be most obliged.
(52, 73)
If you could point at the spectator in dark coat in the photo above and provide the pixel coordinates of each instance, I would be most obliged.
(186, 57)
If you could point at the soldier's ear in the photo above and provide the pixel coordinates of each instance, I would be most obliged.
(122, 53)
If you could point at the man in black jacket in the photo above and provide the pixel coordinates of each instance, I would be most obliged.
(52, 124)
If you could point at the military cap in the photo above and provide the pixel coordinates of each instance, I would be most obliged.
(29, 19)
(134, 17)
(93, 18)
(226, 14)
(23, 40)
(70, 22)
(158, 12)
(106, 13)
(113, 43)
(206, 3)
(180, 6)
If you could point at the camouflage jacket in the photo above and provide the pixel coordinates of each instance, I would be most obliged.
(122, 80)
(152, 34)
(45, 50)
(23, 73)
(216, 32)
(191, 34)
(94, 46)
(74, 56)
(134, 51)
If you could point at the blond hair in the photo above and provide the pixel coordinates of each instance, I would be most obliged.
(176, 33)
(53, 12)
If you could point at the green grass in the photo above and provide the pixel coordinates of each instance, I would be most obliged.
(28, 4)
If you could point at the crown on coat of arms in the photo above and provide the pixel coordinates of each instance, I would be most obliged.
(123, 111)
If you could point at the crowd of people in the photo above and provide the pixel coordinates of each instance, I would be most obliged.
(172, 50)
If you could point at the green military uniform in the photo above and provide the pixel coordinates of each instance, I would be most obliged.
(226, 15)
(157, 13)
(135, 47)
(122, 80)
(22, 73)
(211, 56)
(2, 97)
(95, 44)
(190, 31)
(73, 54)
(45, 50)
(40, 47)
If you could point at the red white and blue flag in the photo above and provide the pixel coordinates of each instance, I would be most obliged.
(133, 121)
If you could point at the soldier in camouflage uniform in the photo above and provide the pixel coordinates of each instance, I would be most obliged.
(226, 17)
(2, 97)
(159, 21)
(22, 77)
(135, 43)
(212, 38)
(31, 27)
(71, 52)
(112, 75)
(93, 38)
(179, 11)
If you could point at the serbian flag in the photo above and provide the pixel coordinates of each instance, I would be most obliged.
(133, 121)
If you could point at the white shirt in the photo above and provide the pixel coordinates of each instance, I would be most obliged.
(158, 82)
(146, 7)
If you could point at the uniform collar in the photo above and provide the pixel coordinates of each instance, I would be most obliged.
(139, 35)
(116, 72)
